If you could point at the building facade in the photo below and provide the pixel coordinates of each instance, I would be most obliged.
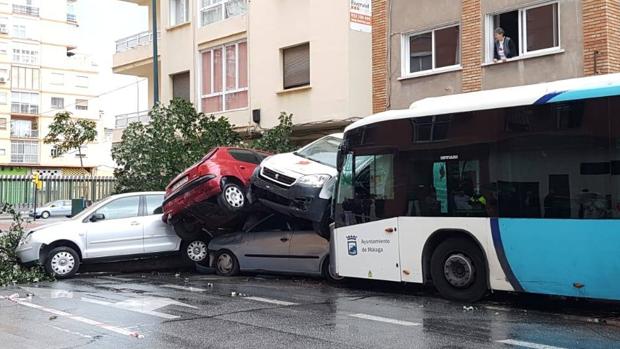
(252, 60)
(444, 47)
(41, 74)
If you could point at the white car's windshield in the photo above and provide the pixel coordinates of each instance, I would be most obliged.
(322, 151)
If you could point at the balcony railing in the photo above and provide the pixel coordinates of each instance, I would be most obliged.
(24, 133)
(137, 40)
(71, 18)
(123, 120)
(26, 10)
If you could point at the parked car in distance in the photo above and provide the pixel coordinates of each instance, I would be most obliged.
(58, 208)
(121, 227)
(208, 192)
(300, 183)
(272, 244)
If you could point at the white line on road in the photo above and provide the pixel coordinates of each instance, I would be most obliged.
(527, 344)
(185, 288)
(384, 319)
(72, 332)
(270, 301)
(83, 320)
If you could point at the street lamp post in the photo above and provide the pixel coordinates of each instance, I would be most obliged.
(155, 60)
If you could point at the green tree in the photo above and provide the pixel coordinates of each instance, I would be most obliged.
(67, 134)
(277, 139)
(150, 156)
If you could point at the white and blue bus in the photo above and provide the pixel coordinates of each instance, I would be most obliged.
(515, 189)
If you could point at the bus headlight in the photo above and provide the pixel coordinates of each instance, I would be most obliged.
(315, 181)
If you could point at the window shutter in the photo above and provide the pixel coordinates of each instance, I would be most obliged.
(296, 66)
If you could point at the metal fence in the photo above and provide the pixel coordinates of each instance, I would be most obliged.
(19, 190)
(136, 40)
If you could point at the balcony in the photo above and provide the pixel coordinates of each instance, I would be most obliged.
(223, 10)
(24, 108)
(123, 120)
(134, 55)
(25, 152)
(26, 10)
(17, 133)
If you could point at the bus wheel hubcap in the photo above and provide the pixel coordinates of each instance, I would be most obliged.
(459, 270)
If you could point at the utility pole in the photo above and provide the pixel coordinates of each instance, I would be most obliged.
(155, 60)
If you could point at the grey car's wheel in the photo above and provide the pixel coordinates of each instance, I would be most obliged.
(196, 251)
(226, 264)
(232, 197)
(62, 262)
(45, 215)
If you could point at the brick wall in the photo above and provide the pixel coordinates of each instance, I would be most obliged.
(471, 45)
(380, 41)
(601, 33)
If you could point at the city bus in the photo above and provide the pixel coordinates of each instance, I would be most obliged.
(515, 189)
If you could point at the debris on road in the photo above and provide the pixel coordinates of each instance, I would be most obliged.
(53, 317)
(468, 308)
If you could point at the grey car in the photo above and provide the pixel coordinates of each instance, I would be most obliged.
(59, 208)
(272, 244)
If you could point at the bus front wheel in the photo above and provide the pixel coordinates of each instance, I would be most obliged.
(459, 271)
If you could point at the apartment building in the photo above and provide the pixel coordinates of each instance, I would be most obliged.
(251, 60)
(41, 74)
(440, 47)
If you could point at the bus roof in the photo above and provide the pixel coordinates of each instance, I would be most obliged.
(549, 92)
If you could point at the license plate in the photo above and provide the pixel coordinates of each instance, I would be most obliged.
(178, 184)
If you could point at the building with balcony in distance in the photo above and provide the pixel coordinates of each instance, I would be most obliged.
(251, 60)
(42, 74)
(439, 47)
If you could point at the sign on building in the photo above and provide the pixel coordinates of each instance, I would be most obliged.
(361, 15)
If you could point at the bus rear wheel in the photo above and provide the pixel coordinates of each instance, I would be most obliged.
(459, 270)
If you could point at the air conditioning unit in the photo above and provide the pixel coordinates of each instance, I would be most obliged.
(2, 80)
(4, 29)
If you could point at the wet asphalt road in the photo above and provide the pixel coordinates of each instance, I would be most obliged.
(191, 310)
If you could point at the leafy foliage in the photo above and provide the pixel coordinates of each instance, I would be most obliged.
(150, 156)
(66, 134)
(11, 272)
(277, 139)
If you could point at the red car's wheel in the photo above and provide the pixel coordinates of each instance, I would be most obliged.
(232, 197)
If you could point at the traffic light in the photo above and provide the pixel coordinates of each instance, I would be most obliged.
(36, 179)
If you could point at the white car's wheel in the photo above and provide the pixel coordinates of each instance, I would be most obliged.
(196, 251)
(45, 215)
(62, 262)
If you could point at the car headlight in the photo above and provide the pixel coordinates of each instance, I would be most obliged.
(26, 239)
(316, 181)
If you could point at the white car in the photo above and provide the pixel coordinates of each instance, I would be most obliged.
(300, 183)
(121, 227)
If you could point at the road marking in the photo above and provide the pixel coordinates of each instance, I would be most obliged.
(185, 288)
(527, 344)
(83, 320)
(384, 319)
(143, 305)
(270, 301)
(72, 332)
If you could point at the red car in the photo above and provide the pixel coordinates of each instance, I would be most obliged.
(210, 192)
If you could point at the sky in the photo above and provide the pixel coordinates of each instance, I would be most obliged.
(101, 23)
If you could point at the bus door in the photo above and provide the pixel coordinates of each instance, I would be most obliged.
(366, 236)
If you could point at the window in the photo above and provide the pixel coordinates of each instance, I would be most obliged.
(2, 152)
(19, 31)
(24, 128)
(26, 55)
(3, 48)
(296, 65)
(431, 128)
(4, 26)
(81, 104)
(225, 78)
(180, 86)
(58, 103)
(154, 204)
(81, 81)
(244, 155)
(212, 11)
(271, 223)
(24, 103)
(366, 188)
(439, 48)
(322, 151)
(121, 208)
(178, 12)
(58, 79)
(2, 123)
(3, 98)
(530, 29)
(25, 152)
(23, 78)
